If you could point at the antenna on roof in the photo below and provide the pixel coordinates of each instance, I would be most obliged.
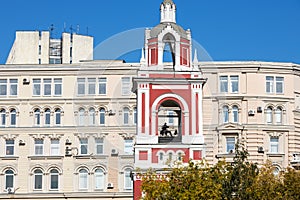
(51, 29)
(87, 30)
(71, 29)
(64, 27)
(77, 31)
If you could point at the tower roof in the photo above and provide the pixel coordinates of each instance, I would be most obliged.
(168, 1)
(159, 28)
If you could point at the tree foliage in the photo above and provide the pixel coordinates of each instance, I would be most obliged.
(238, 180)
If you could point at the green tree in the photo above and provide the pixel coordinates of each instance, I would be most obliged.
(267, 185)
(291, 184)
(240, 176)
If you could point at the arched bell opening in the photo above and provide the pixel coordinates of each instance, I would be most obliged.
(169, 49)
(169, 122)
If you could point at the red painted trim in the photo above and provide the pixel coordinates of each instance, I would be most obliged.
(143, 155)
(197, 113)
(182, 110)
(184, 40)
(143, 112)
(197, 155)
(137, 189)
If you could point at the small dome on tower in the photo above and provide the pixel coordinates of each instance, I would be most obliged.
(168, 2)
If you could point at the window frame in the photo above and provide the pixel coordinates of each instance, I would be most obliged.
(36, 87)
(3, 87)
(126, 112)
(53, 174)
(127, 179)
(9, 147)
(128, 146)
(83, 143)
(99, 177)
(230, 144)
(2, 117)
(91, 84)
(13, 86)
(13, 117)
(38, 183)
(126, 86)
(54, 147)
(83, 176)
(274, 143)
(102, 84)
(39, 147)
(9, 175)
(57, 86)
(99, 142)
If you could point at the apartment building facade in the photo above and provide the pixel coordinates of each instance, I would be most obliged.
(68, 131)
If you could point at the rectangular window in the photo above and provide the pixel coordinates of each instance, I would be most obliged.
(230, 144)
(91, 86)
(99, 146)
(126, 86)
(47, 86)
(83, 146)
(57, 86)
(234, 81)
(279, 85)
(9, 147)
(13, 87)
(274, 143)
(102, 85)
(128, 146)
(54, 147)
(81, 86)
(39, 147)
(3, 87)
(170, 117)
(223, 84)
(269, 84)
(36, 87)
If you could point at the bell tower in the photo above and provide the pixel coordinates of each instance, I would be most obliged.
(168, 36)
(169, 98)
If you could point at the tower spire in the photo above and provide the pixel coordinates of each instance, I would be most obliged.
(168, 11)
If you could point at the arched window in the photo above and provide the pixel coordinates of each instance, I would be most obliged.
(127, 179)
(81, 117)
(102, 116)
(125, 116)
(13, 117)
(54, 178)
(83, 179)
(92, 120)
(38, 179)
(225, 114)
(269, 113)
(9, 179)
(2, 117)
(37, 117)
(57, 116)
(235, 114)
(278, 115)
(170, 157)
(47, 117)
(134, 115)
(99, 179)
(179, 156)
(276, 171)
(161, 156)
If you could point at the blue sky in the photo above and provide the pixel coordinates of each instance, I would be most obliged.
(263, 30)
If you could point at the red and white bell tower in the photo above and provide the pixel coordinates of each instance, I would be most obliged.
(169, 90)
